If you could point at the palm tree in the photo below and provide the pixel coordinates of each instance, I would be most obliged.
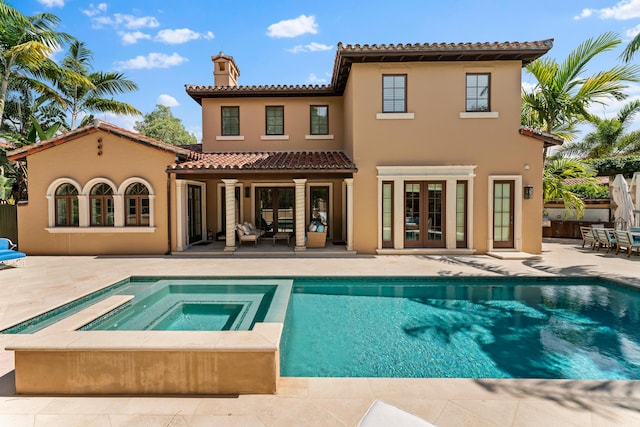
(78, 97)
(562, 94)
(26, 42)
(631, 49)
(556, 172)
(609, 138)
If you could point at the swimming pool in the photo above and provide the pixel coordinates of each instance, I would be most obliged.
(465, 327)
(176, 303)
(583, 328)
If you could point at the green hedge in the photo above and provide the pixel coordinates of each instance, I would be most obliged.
(586, 191)
(610, 166)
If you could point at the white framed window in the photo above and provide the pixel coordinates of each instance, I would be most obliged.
(100, 206)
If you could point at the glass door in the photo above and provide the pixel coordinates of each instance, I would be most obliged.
(435, 215)
(194, 213)
(503, 214)
(275, 209)
(412, 214)
(424, 214)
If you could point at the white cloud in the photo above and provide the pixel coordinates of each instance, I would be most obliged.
(311, 47)
(293, 27)
(315, 80)
(623, 10)
(632, 32)
(584, 14)
(528, 87)
(132, 38)
(95, 10)
(128, 21)
(167, 100)
(52, 3)
(181, 35)
(120, 120)
(152, 60)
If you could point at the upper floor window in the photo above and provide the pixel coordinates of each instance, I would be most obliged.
(319, 120)
(394, 93)
(67, 209)
(275, 120)
(102, 205)
(230, 121)
(136, 201)
(477, 99)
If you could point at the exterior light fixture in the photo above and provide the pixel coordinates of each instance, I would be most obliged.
(528, 191)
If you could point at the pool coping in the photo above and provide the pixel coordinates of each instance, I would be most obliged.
(62, 360)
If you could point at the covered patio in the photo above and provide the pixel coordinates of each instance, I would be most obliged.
(278, 193)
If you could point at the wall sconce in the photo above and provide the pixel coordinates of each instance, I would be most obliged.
(528, 191)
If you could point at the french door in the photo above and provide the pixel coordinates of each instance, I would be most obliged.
(424, 203)
(503, 193)
(194, 213)
(275, 209)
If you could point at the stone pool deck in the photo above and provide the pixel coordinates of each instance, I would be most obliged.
(46, 282)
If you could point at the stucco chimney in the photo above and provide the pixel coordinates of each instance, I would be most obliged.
(225, 70)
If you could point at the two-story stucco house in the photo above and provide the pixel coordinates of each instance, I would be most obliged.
(411, 148)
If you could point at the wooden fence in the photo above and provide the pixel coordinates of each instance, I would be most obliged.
(9, 221)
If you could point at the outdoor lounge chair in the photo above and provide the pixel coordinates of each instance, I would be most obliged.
(624, 239)
(382, 414)
(7, 252)
(588, 236)
(248, 232)
(606, 239)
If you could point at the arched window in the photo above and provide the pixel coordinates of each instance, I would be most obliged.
(136, 200)
(67, 211)
(102, 205)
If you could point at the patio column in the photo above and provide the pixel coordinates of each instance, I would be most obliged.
(230, 212)
(300, 211)
(181, 215)
(349, 199)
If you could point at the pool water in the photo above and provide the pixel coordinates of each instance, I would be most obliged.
(191, 305)
(463, 328)
(177, 304)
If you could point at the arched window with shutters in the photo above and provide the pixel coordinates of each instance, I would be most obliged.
(137, 206)
(67, 212)
(102, 205)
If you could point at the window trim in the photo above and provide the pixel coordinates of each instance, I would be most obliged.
(266, 119)
(404, 110)
(84, 207)
(311, 132)
(466, 97)
(399, 175)
(222, 127)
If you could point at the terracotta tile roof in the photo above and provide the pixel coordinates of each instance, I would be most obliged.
(197, 92)
(547, 138)
(276, 161)
(602, 180)
(417, 52)
(24, 151)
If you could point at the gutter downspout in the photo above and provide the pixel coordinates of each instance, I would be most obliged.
(168, 213)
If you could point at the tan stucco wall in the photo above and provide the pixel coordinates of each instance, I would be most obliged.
(78, 159)
(252, 124)
(99, 372)
(438, 136)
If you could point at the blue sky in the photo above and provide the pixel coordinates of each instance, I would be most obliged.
(163, 45)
